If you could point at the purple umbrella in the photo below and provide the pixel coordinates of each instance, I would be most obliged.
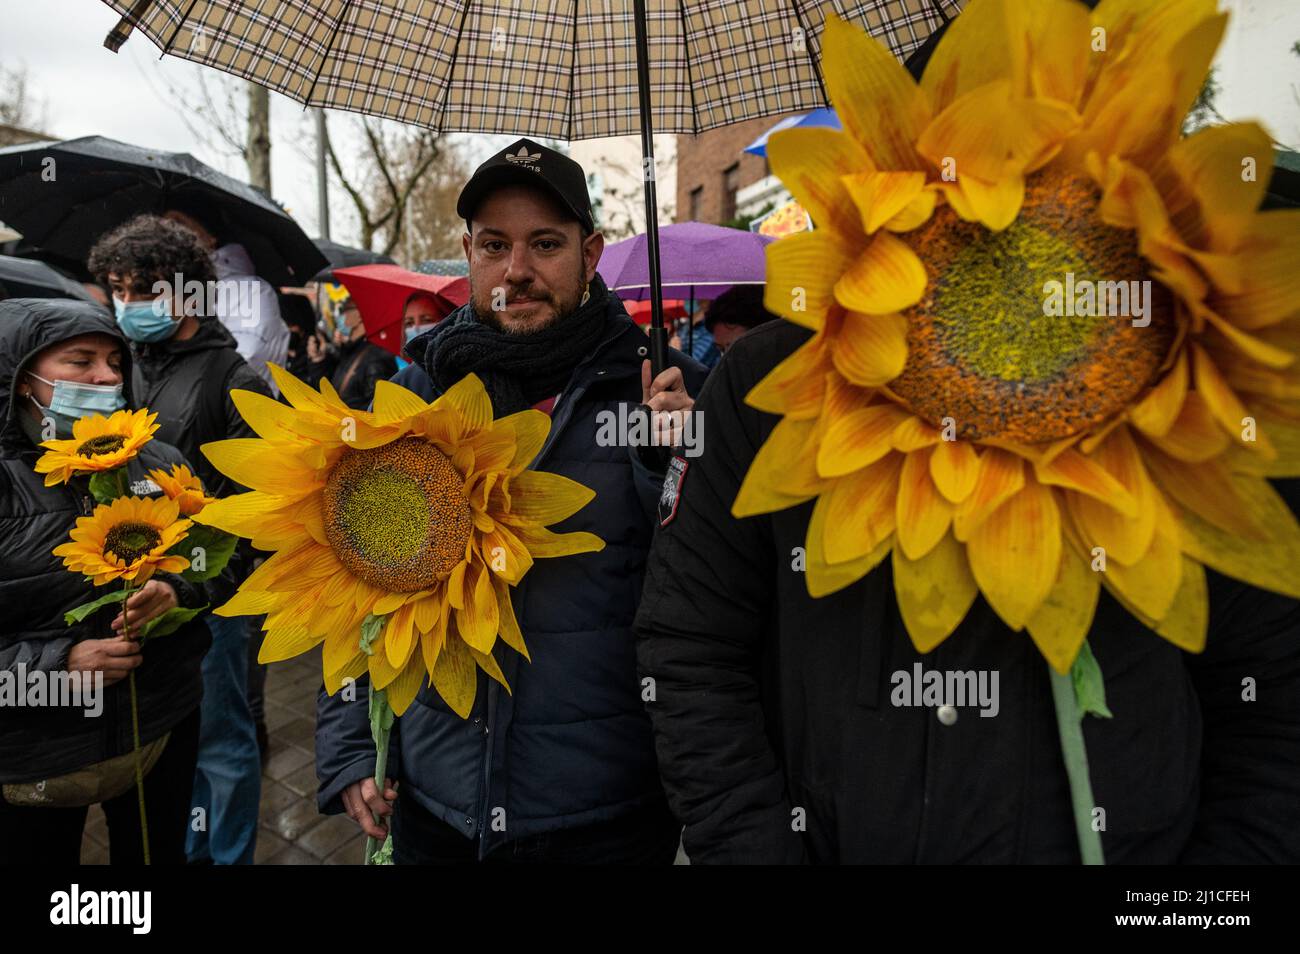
(697, 261)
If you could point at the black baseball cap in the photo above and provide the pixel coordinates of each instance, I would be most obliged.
(530, 163)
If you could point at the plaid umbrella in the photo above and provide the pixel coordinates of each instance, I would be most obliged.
(563, 69)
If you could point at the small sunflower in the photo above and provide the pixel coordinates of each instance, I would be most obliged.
(184, 487)
(98, 443)
(127, 539)
(422, 513)
(947, 413)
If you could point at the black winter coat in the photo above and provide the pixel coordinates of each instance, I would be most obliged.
(36, 590)
(571, 746)
(769, 701)
(361, 365)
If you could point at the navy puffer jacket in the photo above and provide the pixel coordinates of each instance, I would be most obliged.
(572, 746)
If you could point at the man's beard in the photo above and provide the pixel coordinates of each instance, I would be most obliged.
(559, 309)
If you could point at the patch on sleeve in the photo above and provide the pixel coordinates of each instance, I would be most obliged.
(671, 494)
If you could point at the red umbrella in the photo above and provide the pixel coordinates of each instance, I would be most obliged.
(381, 293)
(641, 310)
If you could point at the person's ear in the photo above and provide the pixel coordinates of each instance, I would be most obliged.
(592, 248)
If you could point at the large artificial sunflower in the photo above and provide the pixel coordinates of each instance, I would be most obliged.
(947, 412)
(98, 443)
(127, 539)
(182, 486)
(422, 513)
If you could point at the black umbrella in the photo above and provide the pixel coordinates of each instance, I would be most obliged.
(64, 195)
(345, 256)
(28, 278)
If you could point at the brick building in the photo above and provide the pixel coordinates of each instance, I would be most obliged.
(715, 174)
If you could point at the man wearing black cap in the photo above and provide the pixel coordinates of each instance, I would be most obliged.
(563, 768)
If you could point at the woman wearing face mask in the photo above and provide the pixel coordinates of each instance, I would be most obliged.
(420, 313)
(185, 366)
(61, 360)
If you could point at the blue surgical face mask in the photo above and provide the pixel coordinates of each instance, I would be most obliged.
(73, 400)
(416, 330)
(145, 321)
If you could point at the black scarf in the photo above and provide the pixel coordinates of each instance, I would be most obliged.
(517, 370)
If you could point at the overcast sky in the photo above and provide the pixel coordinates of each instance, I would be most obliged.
(87, 90)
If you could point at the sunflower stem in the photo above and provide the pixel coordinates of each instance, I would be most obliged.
(1069, 722)
(381, 727)
(135, 730)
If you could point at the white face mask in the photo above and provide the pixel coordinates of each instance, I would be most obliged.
(416, 330)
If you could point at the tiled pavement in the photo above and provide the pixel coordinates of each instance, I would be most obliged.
(291, 832)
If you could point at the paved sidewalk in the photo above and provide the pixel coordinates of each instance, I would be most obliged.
(291, 831)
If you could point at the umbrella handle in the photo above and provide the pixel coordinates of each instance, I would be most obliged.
(658, 350)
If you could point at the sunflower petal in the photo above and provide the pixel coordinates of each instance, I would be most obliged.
(1001, 476)
(955, 468)
(1212, 202)
(870, 350)
(1206, 488)
(923, 515)
(402, 691)
(510, 632)
(765, 487)
(1151, 583)
(796, 386)
(824, 578)
(801, 275)
(857, 439)
(876, 98)
(860, 511)
(1015, 553)
(1082, 474)
(1060, 625)
(1124, 537)
(881, 196)
(530, 427)
(545, 498)
(479, 620)
(1195, 435)
(456, 677)
(934, 592)
(470, 399)
(886, 277)
(813, 162)
(1158, 409)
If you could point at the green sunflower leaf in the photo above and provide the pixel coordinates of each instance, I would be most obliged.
(208, 550)
(77, 614)
(106, 485)
(169, 622)
(1089, 688)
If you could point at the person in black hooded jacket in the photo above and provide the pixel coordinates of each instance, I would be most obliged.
(185, 368)
(58, 340)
